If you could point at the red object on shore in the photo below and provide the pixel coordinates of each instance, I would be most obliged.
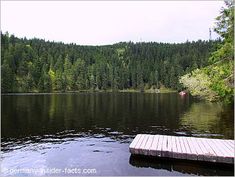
(182, 93)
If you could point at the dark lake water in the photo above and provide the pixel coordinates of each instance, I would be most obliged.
(89, 133)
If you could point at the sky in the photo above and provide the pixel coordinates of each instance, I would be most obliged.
(103, 22)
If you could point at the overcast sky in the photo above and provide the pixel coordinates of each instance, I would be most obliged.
(102, 22)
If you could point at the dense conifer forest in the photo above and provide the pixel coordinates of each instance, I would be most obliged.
(36, 65)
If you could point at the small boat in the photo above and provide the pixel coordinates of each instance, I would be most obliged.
(182, 93)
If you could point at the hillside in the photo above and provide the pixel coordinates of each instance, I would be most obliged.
(36, 65)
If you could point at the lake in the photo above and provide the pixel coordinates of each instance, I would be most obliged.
(89, 133)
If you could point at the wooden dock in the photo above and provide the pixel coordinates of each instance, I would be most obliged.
(181, 147)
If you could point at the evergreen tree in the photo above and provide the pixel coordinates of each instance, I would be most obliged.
(38, 65)
(7, 78)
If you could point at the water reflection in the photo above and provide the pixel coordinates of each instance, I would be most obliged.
(86, 127)
(60, 138)
(70, 150)
(209, 120)
(128, 113)
(184, 167)
(120, 113)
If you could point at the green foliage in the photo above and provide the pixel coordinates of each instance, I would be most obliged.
(36, 65)
(225, 28)
(222, 77)
(7, 78)
(51, 74)
(216, 81)
(199, 84)
(60, 84)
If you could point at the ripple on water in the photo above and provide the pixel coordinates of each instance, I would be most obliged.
(115, 133)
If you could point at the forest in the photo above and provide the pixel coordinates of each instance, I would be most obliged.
(204, 68)
(36, 65)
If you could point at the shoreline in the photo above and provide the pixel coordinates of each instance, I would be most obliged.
(94, 91)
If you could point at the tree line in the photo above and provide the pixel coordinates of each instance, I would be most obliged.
(36, 65)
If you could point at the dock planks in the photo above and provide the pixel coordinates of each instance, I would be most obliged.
(180, 147)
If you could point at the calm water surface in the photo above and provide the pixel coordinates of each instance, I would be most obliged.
(89, 133)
